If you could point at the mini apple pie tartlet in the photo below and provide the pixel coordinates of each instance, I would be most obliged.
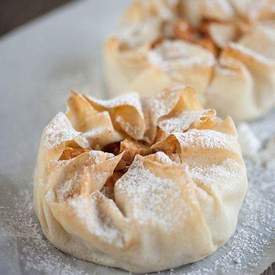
(224, 49)
(143, 184)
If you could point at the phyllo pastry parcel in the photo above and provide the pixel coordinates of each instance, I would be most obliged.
(140, 183)
(224, 49)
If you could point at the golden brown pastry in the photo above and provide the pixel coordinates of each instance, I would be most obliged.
(144, 184)
(224, 49)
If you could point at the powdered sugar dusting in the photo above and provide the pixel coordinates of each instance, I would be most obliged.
(181, 122)
(146, 196)
(162, 157)
(98, 137)
(142, 32)
(129, 99)
(129, 128)
(251, 54)
(267, 155)
(36, 254)
(164, 8)
(97, 156)
(226, 171)
(250, 144)
(223, 6)
(65, 190)
(137, 34)
(162, 104)
(87, 211)
(170, 53)
(207, 139)
(58, 130)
